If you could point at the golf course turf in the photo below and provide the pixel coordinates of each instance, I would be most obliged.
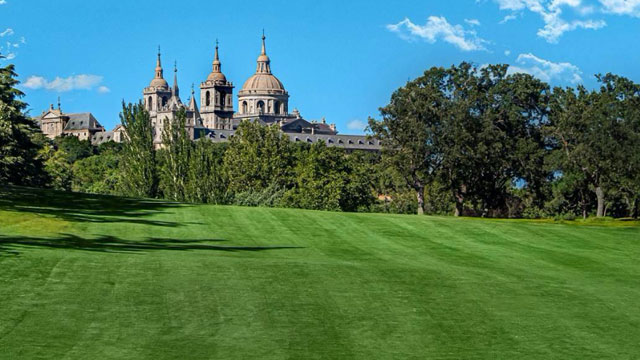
(92, 277)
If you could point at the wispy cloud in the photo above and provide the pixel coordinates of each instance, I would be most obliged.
(438, 28)
(2, 2)
(59, 84)
(7, 32)
(551, 13)
(103, 89)
(8, 50)
(546, 70)
(621, 7)
(356, 125)
(508, 18)
(472, 22)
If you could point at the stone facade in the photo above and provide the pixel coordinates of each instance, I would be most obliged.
(263, 98)
(54, 123)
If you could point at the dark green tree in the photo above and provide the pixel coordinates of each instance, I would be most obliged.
(138, 164)
(327, 178)
(74, 148)
(593, 136)
(410, 127)
(19, 144)
(258, 157)
(99, 174)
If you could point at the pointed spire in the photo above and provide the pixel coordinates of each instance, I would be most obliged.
(158, 80)
(176, 91)
(217, 66)
(158, 65)
(193, 106)
(264, 62)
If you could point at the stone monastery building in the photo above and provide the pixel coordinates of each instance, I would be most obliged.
(263, 98)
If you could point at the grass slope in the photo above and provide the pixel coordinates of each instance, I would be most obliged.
(88, 277)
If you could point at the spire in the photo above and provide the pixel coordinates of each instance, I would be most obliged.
(217, 66)
(59, 109)
(158, 65)
(176, 91)
(264, 63)
(193, 106)
(158, 80)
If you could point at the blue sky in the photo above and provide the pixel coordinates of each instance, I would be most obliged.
(338, 59)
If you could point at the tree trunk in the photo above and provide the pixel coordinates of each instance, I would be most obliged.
(420, 195)
(634, 210)
(459, 204)
(600, 196)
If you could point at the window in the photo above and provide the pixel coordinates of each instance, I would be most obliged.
(207, 98)
(261, 107)
(244, 107)
(277, 107)
(222, 100)
(150, 103)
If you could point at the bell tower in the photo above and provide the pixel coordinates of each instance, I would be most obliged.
(157, 94)
(216, 98)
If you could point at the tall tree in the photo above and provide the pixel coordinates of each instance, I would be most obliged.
(138, 165)
(327, 178)
(19, 161)
(258, 157)
(410, 127)
(206, 182)
(174, 157)
(590, 132)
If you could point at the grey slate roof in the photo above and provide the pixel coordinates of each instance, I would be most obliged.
(82, 121)
(349, 142)
(101, 137)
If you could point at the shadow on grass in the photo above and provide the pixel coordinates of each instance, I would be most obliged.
(111, 244)
(85, 207)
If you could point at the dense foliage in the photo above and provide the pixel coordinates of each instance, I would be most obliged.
(480, 141)
(20, 139)
(461, 140)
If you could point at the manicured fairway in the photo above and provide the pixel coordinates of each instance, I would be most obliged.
(86, 277)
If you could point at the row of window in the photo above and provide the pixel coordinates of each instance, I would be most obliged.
(262, 108)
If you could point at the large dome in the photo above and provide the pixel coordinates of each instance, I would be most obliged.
(263, 82)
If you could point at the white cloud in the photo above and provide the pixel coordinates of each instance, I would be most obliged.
(7, 32)
(551, 14)
(438, 28)
(103, 89)
(356, 125)
(621, 7)
(507, 52)
(508, 18)
(472, 22)
(2, 2)
(546, 70)
(74, 82)
(10, 56)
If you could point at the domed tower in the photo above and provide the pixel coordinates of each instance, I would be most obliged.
(263, 95)
(157, 94)
(216, 98)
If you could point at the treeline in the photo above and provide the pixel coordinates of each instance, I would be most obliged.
(257, 167)
(463, 141)
(483, 142)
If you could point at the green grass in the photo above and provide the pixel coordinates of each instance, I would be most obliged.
(88, 277)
